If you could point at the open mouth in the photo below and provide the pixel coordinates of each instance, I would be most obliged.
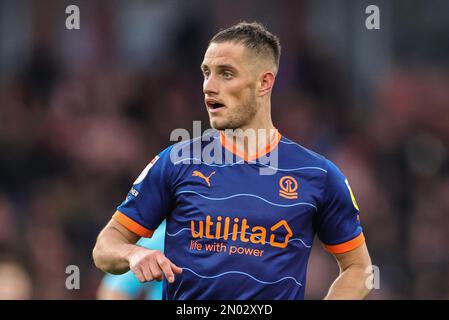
(214, 105)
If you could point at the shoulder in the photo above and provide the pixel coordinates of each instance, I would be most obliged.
(190, 149)
(325, 170)
(176, 152)
(293, 153)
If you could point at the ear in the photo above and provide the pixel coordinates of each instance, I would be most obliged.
(266, 83)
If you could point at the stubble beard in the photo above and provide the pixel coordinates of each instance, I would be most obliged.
(239, 118)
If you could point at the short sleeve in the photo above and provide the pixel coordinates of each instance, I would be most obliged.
(150, 199)
(337, 222)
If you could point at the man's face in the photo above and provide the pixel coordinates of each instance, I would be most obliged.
(229, 85)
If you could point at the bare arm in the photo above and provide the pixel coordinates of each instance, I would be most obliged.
(114, 245)
(116, 252)
(351, 284)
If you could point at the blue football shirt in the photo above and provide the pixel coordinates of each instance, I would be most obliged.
(237, 233)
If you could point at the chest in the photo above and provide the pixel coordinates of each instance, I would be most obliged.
(240, 191)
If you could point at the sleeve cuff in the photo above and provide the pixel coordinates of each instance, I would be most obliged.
(131, 225)
(346, 246)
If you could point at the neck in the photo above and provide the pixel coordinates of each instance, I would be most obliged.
(254, 136)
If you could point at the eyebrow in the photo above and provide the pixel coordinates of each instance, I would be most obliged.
(220, 66)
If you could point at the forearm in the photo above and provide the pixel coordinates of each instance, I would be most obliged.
(111, 253)
(351, 284)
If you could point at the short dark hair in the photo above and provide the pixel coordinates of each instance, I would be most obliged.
(254, 36)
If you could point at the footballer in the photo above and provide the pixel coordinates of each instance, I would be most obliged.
(232, 232)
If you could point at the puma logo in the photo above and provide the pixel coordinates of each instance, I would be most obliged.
(196, 173)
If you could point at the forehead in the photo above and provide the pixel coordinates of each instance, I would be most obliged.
(225, 53)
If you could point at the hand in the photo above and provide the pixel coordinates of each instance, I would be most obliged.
(149, 265)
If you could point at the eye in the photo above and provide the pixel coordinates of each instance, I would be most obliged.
(227, 75)
(206, 73)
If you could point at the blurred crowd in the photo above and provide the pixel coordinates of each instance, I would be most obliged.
(84, 111)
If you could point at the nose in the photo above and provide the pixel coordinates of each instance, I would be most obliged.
(210, 85)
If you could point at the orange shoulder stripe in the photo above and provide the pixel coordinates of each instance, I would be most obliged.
(131, 225)
(346, 246)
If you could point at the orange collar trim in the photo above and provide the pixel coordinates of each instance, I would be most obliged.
(233, 148)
